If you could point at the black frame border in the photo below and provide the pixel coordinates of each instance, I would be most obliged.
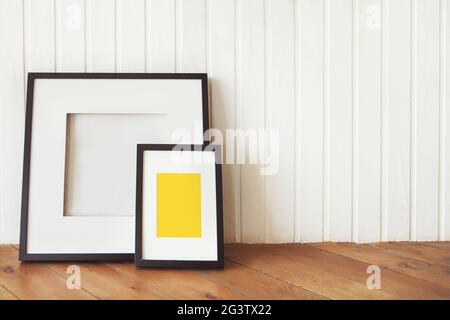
(139, 261)
(24, 256)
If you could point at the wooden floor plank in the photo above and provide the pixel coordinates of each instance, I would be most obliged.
(180, 284)
(402, 286)
(445, 245)
(105, 282)
(417, 251)
(33, 281)
(393, 261)
(256, 285)
(6, 295)
(266, 260)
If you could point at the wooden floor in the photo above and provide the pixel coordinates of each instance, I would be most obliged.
(288, 271)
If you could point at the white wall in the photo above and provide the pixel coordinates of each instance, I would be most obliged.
(358, 88)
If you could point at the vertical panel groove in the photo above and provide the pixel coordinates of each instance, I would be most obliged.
(178, 35)
(115, 37)
(412, 235)
(146, 36)
(24, 77)
(147, 53)
(207, 57)
(297, 92)
(55, 49)
(118, 42)
(237, 81)
(207, 49)
(267, 97)
(446, 107)
(384, 120)
(239, 111)
(326, 121)
(355, 122)
(25, 43)
(57, 36)
(85, 33)
(88, 35)
(175, 36)
(442, 118)
(294, 122)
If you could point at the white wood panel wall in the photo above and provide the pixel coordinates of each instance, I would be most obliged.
(358, 90)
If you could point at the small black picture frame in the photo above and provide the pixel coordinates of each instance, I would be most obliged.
(140, 262)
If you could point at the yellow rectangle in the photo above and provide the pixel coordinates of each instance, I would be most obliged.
(178, 205)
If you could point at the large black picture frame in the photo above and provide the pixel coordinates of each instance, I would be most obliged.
(24, 256)
(139, 261)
